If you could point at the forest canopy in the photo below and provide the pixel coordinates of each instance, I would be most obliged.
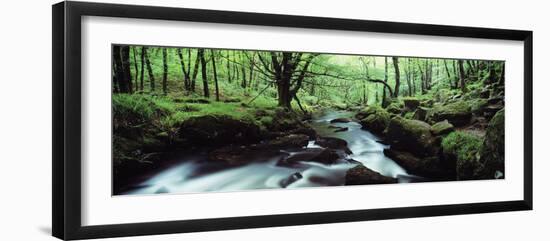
(287, 78)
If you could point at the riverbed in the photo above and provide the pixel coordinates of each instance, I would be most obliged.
(188, 175)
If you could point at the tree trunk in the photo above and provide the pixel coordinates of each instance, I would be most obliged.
(185, 73)
(195, 71)
(457, 75)
(408, 76)
(384, 101)
(149, 70)
(501, 79)
(228, 69)
(118, 74)
(470, 67)
(142, 69)
(492, 72)
(203, 71)
(136, 83)
(462, 75)
(448, 74)
(243, 72)
(395, 61)
(422, 78)
(215, 75)
(124, 76)
(164, 72)
(429, 76)
(413, 79)
(251, 72)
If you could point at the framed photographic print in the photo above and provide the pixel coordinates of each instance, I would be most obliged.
(170, 120)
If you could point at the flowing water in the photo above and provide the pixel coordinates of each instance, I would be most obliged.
(189, 177)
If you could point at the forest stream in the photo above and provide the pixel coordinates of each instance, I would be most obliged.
(189, 176)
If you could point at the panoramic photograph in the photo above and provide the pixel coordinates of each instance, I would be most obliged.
(197, 120)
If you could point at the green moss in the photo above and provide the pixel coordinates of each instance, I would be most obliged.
(373, 110)
(456, 107)
(374, 118)
(464, 149)
(410, 103)
(492, 151)
(414, 128)
(477, 105)
(410, 135)
(442, 128)
(266, 120)
(463, 145)
(394, 107)
(443, 95)
(409, 115)
(458, 113)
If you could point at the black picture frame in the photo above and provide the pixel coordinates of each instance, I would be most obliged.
(66, 47)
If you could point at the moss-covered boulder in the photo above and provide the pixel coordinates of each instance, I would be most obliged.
(492, 150)
(442, 128)
(420, 113)
(411, 103)
(374, 119)
(410, 135)
(477, 106)
(214, 130)
(361, 175)
(458, 113)
(394, 108)
(463, 148)
(234, 155)
(431, 167)
(284, 120)
(444, 95)
(491, 109)
(288, 141)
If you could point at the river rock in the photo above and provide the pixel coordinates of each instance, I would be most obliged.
(291, 179)
(431, 167)
(286, 142)
(340, 120)
(303, 155)
(361, 175)
(442, 128)
(492, 150)
(411, 135)
(341, 129)
(218, 129)
(325, 156)
(374, 119)
(333, 143)
(238, 155)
